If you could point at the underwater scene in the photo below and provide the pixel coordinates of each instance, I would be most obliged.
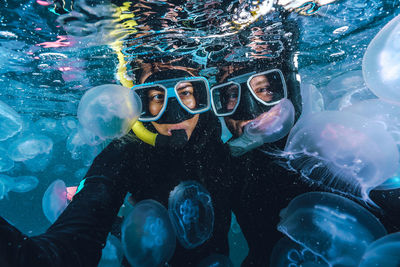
(200, 133)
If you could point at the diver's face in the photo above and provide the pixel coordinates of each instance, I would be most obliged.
(156, 101)
(260, 85)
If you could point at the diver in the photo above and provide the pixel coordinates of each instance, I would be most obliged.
(182, 142)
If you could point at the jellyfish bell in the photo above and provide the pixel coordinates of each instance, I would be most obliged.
(109, 111)
(192, 214)
(332, 227)
(112, 254)
(55, 200)
(381, 62)
(342, 151)
(383, 252)
(148, 237)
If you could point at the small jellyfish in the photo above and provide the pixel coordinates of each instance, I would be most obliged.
(384, 252)
(19, 184)
(191, 212)
(109, 111)
(79, 149)
(342, 151)
(10, 122)
(381, 62)
(33, 150)
(6, 163)
(55, 200)
(287, 253)
(112, 253)
(148, 237)
(216, 260)
(68, 124)
(50, 127)
(332, 227)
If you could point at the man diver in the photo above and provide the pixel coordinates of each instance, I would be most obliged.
(184, 144)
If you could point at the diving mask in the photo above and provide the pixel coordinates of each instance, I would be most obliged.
(192, 94)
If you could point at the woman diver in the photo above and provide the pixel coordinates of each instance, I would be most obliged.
(185, 145)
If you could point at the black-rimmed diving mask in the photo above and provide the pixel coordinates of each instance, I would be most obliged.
(192, 94)
(260, 92)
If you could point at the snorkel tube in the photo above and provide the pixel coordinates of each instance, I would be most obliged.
(268, 127)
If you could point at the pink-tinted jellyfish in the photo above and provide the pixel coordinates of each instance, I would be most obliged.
(55, 200)
(148, 237)
(384, 252)
(342, 151)
(332, 227)
(381, 62)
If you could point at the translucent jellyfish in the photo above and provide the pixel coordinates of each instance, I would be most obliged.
(191, 211)
(55, 200)
(216, 260)
(148, 237)
(50, 127)
(19, 184)
(289, 253)
(6, 163)
(33, 150)
(269, 127)
(79, 149)
(384, 252)
(69, 124)
(381, 62)
(342, 151)
(388, 115)
(332, 227)
(312, 100)
(109, 111)
(112, 253)
(10, 122)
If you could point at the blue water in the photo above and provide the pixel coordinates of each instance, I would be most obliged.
(44, 70)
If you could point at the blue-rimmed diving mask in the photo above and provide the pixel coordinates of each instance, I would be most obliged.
(248, 95)
(173, 100)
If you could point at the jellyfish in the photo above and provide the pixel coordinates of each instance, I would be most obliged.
(191, 212)
(216, 260)
(50, 127)
(381, 62)
(19, 184)
(6, 163)
(342, 151)
(287, 253)
(332, 227)
(112, 253)
(10, 122)
(33, 150)
(148, 237)
(388, 115)
(384, 252)
(55, 200)
(109, 111)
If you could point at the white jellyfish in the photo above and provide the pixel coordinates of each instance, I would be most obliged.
(19, 184)
(109, 111)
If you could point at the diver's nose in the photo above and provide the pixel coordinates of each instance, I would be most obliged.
(248, 108)
(174, 113)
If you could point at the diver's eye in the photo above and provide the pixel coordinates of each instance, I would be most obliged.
(159, 98)
(233, 96)
(264, 90)
(186, 92)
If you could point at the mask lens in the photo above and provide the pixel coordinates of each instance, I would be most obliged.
(153, 100)
(193, 94)
(225, 98)
(267, 87)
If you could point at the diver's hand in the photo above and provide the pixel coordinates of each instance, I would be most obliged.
(178, 139)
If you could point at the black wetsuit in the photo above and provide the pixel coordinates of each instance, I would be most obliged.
(79, 234)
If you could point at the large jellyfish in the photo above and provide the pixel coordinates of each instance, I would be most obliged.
(55, 200)
(109, 111)
(287, 253)
(388, 115)
(381, 62)
(148, 237)
(10, 122)
(384, 252)
(332, 227)
(19, 184)
(342, 151)
(191, 212)
(33, 150)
